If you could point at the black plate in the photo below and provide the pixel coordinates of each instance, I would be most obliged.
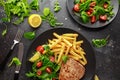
(98, 24)
(43, 38)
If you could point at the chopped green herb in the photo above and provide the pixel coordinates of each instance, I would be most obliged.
(4, 32)
(34, 4)
(65, 58)
(57, 6)
(100, 42)
(46, 11)
(29, 35)
(50, 18)
(16, 61)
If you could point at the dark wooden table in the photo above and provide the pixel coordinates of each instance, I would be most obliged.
(107, 58)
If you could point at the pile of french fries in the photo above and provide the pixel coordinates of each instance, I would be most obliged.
(67, 44)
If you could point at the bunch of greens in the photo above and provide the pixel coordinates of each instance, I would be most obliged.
(18, 8)
(50, 18)
(44, 58)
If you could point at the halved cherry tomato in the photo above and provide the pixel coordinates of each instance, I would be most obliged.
(76, 7)
(52, 58)
(93, 19)
(48, 70)
(40, 49)
(39, 64)
(93, 4)
(103, 17)
(39, 72)
(90, 11)
(105, 5)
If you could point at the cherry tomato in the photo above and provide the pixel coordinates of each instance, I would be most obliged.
(105, 5)
(90, 11)
(93, 4)
(40, 49)
(103, 17)
(48, 70)
(39, 64)
(52, 58)
(76, 7)
(93, 19)
(39, 72)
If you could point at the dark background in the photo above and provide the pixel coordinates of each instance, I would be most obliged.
(107, 58)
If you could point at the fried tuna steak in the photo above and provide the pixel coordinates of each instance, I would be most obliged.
(71, 70)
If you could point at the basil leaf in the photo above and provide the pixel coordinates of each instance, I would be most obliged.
(29, 35)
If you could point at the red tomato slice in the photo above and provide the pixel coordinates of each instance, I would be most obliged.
(40, 49)
(39, 64)
(105, 5)
(93, 19)
(103, 17)
(76, 7)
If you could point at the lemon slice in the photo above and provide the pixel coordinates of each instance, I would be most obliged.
(34, 20)
(35, 57)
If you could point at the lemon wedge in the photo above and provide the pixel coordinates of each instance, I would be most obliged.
(35, 57)
(34, 20)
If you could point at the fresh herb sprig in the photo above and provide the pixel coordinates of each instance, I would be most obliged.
(100, 42)
(50, 18)
(57, 6)
(15, 61)
(4, 32)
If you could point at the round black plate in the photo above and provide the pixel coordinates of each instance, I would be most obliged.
(43, 38)
(98, 24)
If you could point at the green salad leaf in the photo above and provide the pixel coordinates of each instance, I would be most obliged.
(49, 17)
(29, 35)
(15, 60)
(100, 42)
(57, 6)
(34, 4)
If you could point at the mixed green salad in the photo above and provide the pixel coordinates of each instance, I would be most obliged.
(43, 64)
(93, 10)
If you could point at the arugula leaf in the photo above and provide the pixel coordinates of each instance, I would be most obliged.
(4, 32)
(50, 18)
(46, 11)
(15, 60)
(57, 7)
(30, 74)
(100, 42)
(29, 35)
(35, 5)
(84, 17)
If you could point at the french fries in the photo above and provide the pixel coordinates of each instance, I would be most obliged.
(68, 45)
